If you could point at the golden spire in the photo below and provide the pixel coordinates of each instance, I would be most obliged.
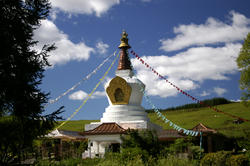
(124, 62)
(124, 40)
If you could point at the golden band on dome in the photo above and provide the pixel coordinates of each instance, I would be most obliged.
(119, 91)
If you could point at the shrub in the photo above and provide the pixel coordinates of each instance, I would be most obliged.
(146, 140)
(196, 152)
(128, 157)
(238, 160)
(244, 142)
(43, 163)
(208, 159)
(179, 146)
(141, 144)
(134, 153)
(69, 162)
(215, 159)
(174, 161)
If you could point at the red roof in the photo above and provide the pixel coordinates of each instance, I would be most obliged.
(169, 135)
(106, 128)
(201, 127)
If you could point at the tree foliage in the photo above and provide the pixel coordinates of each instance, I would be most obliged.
(146, 141)
(21, 72)
(243, 62)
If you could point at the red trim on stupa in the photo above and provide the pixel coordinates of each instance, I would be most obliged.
(124, 61)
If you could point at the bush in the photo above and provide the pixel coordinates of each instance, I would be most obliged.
(238, 160)
(195, 152)
(69, 162)
(179, 146)
(244, 142)
(129, 156)
(116, 159)
(208, 159)
(140, 144)
(215, 159)
(146, 140)
(174, 161)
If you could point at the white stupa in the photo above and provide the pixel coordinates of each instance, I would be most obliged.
(124, 93)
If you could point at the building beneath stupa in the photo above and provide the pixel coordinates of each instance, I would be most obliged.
(124, 93)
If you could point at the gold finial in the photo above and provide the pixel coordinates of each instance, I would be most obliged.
(124, 40)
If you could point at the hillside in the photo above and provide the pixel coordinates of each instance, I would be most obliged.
(76, 125)
(188, 118)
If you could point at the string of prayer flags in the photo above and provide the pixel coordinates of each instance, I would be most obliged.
(80, 82)
(160, 115)
(183, 92)
(97, 85)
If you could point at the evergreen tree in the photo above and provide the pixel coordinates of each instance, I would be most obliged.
(21, 72)
(243, 62)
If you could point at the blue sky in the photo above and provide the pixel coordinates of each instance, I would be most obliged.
(192, 43)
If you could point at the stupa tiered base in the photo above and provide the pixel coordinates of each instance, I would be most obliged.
(119, 113)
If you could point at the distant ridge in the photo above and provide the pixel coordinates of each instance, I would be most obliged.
(211, 102)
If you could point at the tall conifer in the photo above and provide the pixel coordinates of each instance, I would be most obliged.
(21, 71)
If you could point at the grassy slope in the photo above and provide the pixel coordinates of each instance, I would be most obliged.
(220, 122)
(189, 118)
(76, 125)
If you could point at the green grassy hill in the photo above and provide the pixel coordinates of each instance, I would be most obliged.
(76, 125)
(188, 118)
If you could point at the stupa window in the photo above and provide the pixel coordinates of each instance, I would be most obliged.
(119, 95)
(119, 91)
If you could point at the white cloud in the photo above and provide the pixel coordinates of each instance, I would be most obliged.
(66, 50)
(238, 100)
(81, 95)
(98, 94)
(102, 47)
(157, 87)
(53, 14)
(78, 95)
(97, 7)
(205, 93)
(219, 91)
(188, 69)
(212, 32)
(196, 64)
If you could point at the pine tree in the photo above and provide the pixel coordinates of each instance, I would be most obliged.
(21, 72)
(243, 62)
